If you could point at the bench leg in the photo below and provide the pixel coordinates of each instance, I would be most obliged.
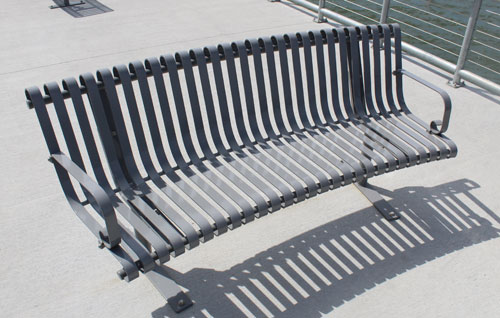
(378, 202)
(169, 289)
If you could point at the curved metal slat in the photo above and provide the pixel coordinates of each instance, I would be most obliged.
(384, 119)
(260, 172)
(170, 233)
(220, 221)
(202, 222)
(391, 154)
(132, 171)
(332, 133)
(320, 157)
(161, 249)
(155, 67)
(410, 157)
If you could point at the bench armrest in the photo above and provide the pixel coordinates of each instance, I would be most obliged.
(436, 127)
(110, 236)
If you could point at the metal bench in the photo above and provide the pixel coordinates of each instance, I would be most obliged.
(165, 154)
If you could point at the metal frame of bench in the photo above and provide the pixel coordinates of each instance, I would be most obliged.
(340, 137)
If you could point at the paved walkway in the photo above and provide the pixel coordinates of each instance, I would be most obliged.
(440, 260)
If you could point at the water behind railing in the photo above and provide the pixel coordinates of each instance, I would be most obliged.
(437, 26)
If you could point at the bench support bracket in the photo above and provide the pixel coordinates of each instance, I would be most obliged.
(168, 288)
(387, 211)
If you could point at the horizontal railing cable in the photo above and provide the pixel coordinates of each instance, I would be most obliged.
(430, 23)
(444, 18)
(493, 60)
(489, 11)
(352, 11)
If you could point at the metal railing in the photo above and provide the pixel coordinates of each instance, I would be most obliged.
(441, 35)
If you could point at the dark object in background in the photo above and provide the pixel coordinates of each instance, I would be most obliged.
(81, 9)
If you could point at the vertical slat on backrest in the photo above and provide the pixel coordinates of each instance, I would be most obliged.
(205, 227)
(138, 70)
(273, 84)
(170, 63)
(377, 72)
(388, 68)
(186, 62)
(399, 65)
(73, 88)
(194, 106)
(354, 59)
(234, 215)
(367, 69)
(320, 62)
(295, 150)
(285, 78)
(132, 171)
(114, 110)
(261, 88)
(247, 85)
(35, 96)
(53, 90)
(154, 66)
(131, 165)
(254, 178)
(103, 129)
(222, 96)
(331, 40)
(200, 56)
(71, 85)
(299, 86)
(346, 91)
(244, 50)
(122, 73)
(311, 87)
(235, 92)
(118, 174)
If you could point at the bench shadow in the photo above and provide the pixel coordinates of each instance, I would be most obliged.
(319, 270)
(87, 9)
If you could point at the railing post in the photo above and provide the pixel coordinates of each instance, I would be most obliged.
(462, 58)
(384, 14)
(320, 18)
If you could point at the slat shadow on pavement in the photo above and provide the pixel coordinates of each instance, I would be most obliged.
(320, 270)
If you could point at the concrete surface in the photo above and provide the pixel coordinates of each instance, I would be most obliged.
(440, 260)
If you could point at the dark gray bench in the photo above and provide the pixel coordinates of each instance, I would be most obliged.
(159, 156)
